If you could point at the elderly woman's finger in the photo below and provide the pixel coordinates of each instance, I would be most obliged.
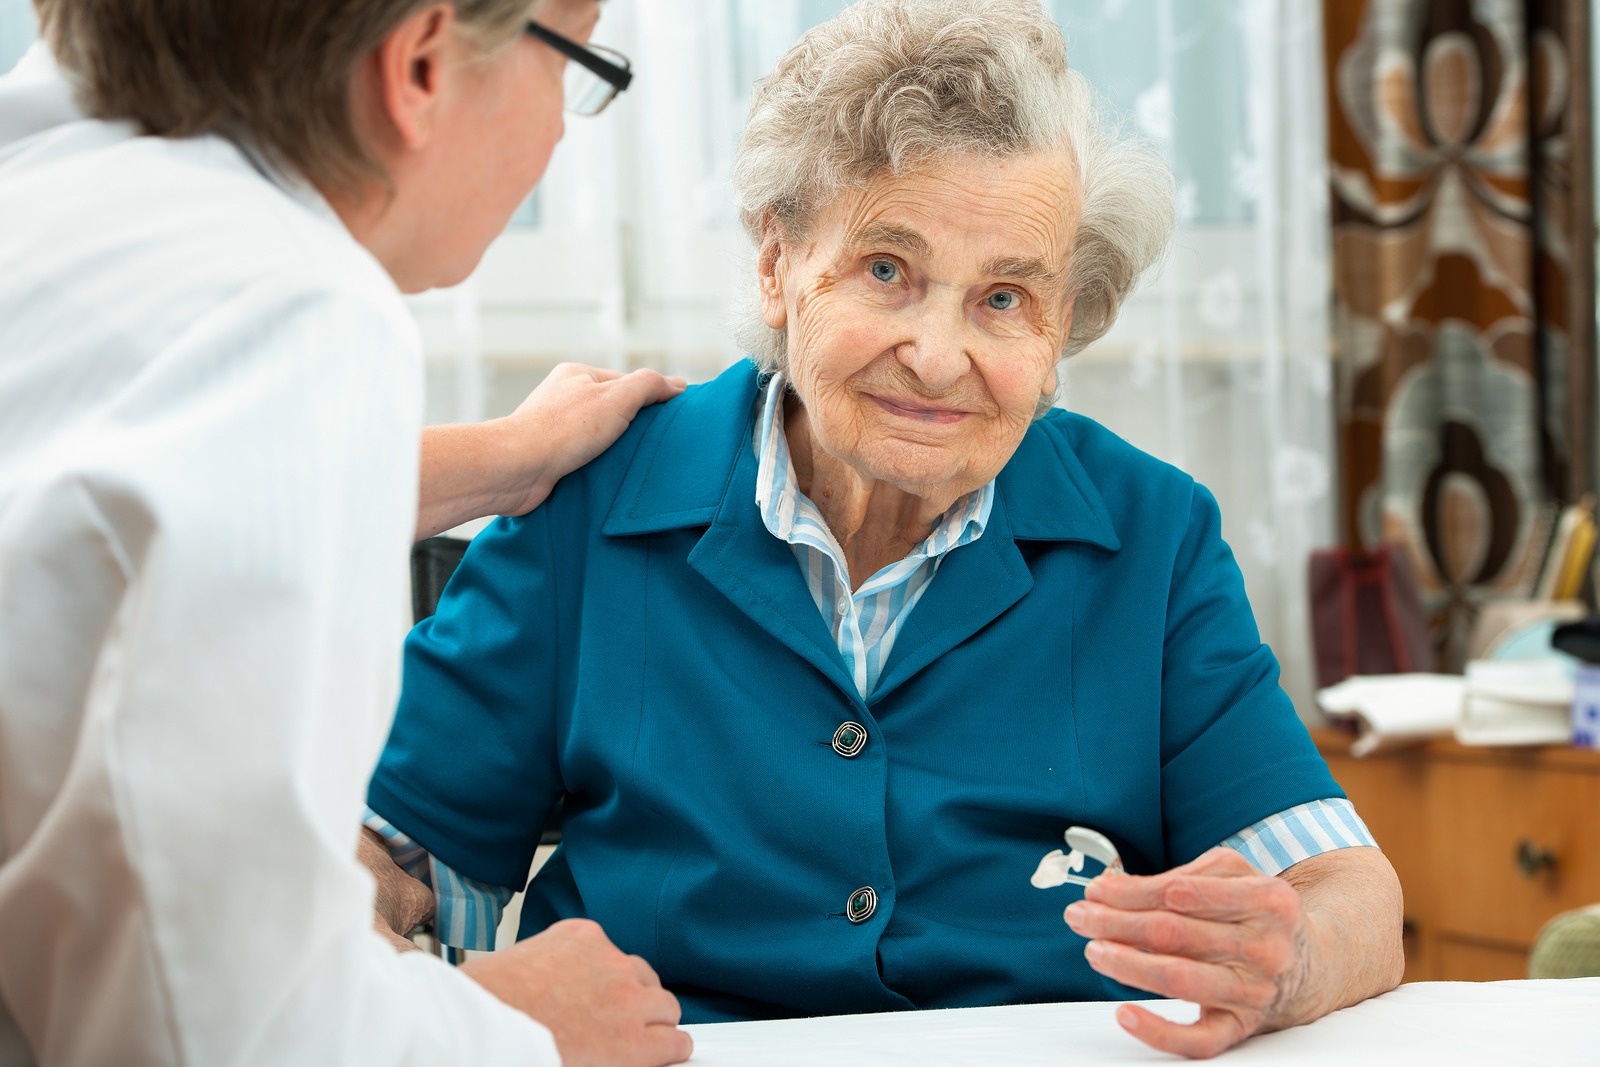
(1214, 863)
(1216, 1031)
(1268, 947)
(1224, 899)
(1203, 983)
(1221, 862)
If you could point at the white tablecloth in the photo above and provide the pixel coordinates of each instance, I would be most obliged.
(1549, 1023)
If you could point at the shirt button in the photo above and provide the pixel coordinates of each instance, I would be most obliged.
(849, 739)
(863, 902)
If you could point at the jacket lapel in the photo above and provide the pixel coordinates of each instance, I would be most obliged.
(695, 467)
(975, 584)
(1042, 494)
(758, 573)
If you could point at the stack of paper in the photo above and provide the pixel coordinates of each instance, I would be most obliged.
(1388, 710)
(1517, 702)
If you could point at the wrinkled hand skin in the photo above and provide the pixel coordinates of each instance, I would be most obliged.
(1257, 953)
(400, 903)
(604, 1008)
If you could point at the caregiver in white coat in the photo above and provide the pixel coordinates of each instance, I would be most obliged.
(210, 396)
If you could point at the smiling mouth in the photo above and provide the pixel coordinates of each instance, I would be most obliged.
(921, 412)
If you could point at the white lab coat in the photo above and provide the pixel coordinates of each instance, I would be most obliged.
(209, 412)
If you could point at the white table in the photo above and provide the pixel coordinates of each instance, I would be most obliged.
(1549, 1023)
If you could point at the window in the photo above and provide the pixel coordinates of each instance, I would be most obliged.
(18, 28)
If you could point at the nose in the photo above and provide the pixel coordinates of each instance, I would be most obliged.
(936, 351)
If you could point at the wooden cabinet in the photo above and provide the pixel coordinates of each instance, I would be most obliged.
(1489, 844)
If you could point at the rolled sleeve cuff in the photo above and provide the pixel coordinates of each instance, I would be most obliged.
(466, 911)
(1280, 841)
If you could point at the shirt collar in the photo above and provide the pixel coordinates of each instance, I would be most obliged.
(778, 489)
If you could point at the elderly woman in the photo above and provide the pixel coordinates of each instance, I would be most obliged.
(844, 640)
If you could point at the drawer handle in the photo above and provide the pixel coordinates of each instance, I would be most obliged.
(1531, 858)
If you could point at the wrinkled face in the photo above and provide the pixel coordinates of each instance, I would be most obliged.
(924, 316)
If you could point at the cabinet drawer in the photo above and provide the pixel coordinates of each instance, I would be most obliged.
(1388, 793)
(1483, 816)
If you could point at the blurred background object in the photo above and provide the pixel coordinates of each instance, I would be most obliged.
(1463, 190)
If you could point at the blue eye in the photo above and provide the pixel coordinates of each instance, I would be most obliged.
(1004, 300)
(885, 270)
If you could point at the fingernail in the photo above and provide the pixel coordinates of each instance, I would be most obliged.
(1074, 913)
(679, 380)
(1129, 1020)
(1101, 883)
(1094, 951)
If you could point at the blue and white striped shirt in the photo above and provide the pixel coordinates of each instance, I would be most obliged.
(466, 911)
(864, 623)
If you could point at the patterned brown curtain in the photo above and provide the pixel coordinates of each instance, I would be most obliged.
(1464, 284)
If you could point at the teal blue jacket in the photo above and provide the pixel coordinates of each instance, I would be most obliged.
(642, 645)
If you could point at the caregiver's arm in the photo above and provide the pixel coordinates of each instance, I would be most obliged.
(508, 466)
(602, 1006)
(1257, 953)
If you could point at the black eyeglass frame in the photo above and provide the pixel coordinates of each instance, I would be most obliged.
(615, 75)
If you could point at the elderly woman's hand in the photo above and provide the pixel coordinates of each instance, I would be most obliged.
(400, 903)
(1257, 953)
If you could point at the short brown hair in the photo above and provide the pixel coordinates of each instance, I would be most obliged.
(271, 75)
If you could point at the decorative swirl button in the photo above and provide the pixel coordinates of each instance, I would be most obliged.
(849, 739)
(863, 902)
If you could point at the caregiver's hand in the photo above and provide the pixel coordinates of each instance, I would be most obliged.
(508, 466)
(1256, 953)
(604, 1008)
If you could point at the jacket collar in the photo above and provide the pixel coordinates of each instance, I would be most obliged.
(684, 467)
(684, 470)
(1047, 493)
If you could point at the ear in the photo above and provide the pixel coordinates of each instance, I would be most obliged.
(411, 70)
(770, 271)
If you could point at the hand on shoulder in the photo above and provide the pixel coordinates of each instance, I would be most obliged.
(575, 414)
(507, 466)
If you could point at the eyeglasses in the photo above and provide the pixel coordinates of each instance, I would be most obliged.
(594, 75)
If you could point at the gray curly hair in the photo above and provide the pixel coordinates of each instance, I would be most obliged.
(891, 85)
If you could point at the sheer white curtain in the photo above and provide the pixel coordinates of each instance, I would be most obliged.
(1221, 364)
